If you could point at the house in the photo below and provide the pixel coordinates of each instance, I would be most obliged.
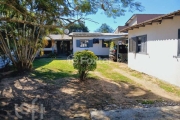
(62, 44)
(154, 46)
(99, 43)
(136, 19)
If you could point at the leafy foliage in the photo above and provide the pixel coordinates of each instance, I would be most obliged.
(23, 23)
(84, 61)
(112, 45)
(104, 28)
(78, 27)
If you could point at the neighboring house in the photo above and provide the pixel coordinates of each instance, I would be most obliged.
(61, 44)
(98, 43)
(136, 19)
(119, 28)
(154, 46)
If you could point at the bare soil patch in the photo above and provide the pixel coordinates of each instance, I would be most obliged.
(68, 98)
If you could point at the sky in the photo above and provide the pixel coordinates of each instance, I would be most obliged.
(151, 7)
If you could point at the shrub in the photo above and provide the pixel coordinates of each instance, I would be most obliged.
(84, 61)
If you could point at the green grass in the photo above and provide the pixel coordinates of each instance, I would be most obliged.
(169, 88)
(107, 72)
(146, 101)
(137, 74)
(51, 69)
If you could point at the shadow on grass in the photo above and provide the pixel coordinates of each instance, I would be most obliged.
(42, 62)
(51, 69)
(48, 75)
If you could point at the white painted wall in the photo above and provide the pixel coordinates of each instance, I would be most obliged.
(133, 21)
(47, 49)
(97, 48)
(162, 45)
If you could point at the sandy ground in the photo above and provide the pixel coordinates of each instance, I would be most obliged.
(70, 99)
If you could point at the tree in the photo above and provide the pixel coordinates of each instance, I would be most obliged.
(84, 61)
(104, 28)
(78, 27)
(24, 23)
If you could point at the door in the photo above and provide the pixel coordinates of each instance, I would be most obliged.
(63, 47)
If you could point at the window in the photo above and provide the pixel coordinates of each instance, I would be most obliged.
(49, 45)
(142, 44)
(105, 43)
(84, 43)
(95, 41)
(178, 42)
(138, 44)
(132, 44)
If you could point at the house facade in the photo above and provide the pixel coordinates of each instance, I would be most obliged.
(154, 47)
(98, 43)
(61, 44)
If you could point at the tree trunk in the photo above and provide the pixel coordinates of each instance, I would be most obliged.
(82, 76)
(23, 66)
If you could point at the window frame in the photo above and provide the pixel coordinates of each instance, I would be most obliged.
(178, 43)
(133, 44)
(143, 45)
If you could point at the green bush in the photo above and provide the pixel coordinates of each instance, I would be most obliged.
(51, 55)
(84, 61)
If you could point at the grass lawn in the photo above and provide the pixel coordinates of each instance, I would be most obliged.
(50, 69)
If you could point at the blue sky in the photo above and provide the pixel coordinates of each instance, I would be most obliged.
(151, 7)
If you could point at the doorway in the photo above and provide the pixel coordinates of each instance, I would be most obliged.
(63, 48)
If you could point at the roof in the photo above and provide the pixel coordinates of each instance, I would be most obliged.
(87, 34)
(119, 28)
(142, 17)
(105, 36)
(149, 22)
(59, 37)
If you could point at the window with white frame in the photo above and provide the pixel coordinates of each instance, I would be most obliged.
(83, 43)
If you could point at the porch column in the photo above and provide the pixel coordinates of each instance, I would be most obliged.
(117, 50)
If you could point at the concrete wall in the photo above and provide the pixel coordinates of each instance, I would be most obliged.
(162, 45)
(97, 48)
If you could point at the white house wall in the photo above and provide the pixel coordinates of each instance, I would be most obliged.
(97, 48)
(162, 45)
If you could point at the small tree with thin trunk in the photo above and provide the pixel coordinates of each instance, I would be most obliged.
(84, 61)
